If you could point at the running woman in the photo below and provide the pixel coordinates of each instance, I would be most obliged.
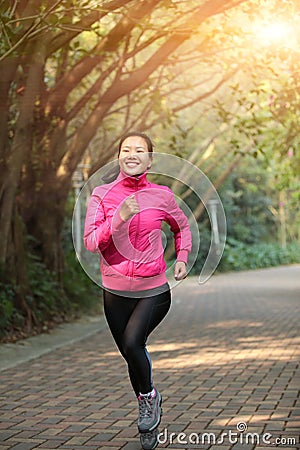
(123, 223)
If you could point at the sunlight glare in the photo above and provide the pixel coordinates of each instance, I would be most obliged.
(274, 33)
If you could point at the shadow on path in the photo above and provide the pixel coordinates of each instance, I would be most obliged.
(227, 353)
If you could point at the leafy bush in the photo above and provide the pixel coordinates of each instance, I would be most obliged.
(48, 300)
(82, 293)
(240, 256)
(6, 305)
(47, 297)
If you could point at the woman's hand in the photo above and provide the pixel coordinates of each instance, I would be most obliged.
(129, 208)
(180, 271)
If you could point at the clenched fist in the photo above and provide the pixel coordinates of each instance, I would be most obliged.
(180, 271)
(129, 208)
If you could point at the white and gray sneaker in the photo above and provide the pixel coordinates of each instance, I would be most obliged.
(149, 440)
(149, 412)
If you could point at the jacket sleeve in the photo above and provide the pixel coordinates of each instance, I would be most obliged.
(180, 228)
(98, 228)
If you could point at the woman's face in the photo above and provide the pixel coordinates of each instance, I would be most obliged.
(134, 158)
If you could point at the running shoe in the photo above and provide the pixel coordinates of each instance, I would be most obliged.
(149, 412)
(149, 440)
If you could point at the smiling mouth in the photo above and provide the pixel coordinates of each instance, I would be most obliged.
(132, 164)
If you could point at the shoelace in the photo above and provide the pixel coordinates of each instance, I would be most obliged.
(145, 407)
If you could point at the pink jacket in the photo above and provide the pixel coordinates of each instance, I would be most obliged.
(132, 254)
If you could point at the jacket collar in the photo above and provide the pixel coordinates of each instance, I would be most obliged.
(133, 182)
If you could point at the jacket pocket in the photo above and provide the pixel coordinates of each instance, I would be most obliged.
(149, 269)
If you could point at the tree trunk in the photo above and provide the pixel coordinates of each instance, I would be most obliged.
(7, 70)
(19, 148)
(45, 219)
(22, 281)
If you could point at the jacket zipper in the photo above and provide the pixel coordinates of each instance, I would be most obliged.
(136, 235)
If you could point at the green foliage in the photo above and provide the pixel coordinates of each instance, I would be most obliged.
(7, 309)
(42, 301)
(47, 297)
(179, 142)
(261, 109)
(251, 203)
(267, 118)
(81, 292)
(48, 300)
(205, 240)
(240, 256)
(247, 199)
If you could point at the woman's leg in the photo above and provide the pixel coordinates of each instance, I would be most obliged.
(117, 311)
(131, 321)
(146, 316)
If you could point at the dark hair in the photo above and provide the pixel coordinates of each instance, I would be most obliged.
(139, 134)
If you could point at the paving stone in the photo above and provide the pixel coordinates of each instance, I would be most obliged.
(226, 353)
(24, 446)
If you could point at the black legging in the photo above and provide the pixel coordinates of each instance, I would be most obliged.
(131, 320)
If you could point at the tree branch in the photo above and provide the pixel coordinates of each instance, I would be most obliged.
(63, 38)
(108, 44)
(123, 87)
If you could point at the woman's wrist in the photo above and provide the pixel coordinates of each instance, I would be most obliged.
(182, 256)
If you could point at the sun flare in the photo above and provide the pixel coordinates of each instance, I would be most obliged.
(275, 33)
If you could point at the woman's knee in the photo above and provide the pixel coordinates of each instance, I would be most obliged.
(131, 347)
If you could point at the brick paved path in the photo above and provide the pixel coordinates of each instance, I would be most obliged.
(228, 352)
